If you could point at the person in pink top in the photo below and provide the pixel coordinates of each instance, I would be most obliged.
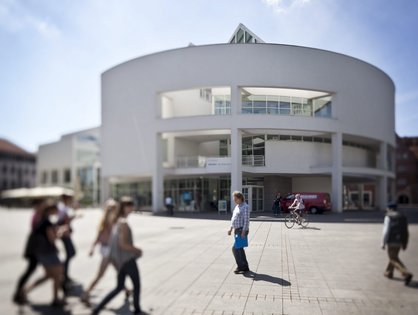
(102, 239)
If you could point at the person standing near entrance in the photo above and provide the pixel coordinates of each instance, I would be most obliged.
(240, 224)
(395, 237)
(169, 204)
(277, 204)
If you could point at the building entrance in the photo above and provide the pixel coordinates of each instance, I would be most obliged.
(254, 197)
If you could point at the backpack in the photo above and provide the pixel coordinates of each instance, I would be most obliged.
(397, 229)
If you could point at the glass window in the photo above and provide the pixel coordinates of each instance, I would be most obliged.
(297, 106)
(44, 179)
(247, 105)
(67, 175)
(54, 177)
(273, 105)
(322, 106)
(248, 37)
(240, 36)
(259, 104)
(284, 105)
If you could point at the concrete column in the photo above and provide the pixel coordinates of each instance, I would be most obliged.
(383, 193)
(235, 100)
(383, 154)
(383, 180)
(104, 189)
(236, 161)
(337, 172)
(158, 176)
(360, 188)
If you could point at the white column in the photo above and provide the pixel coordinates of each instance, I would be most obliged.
(383, 180)
(104, 189)
(157, 176)
(236, 161)
(236, 144)
(235, 100)
(337, 172)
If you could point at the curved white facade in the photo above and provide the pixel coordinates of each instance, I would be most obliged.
(147, 128)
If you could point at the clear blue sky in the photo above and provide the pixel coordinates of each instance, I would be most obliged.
(53, 52)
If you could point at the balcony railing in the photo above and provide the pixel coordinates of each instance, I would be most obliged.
(216, 161)
(191, 162)
(253, 160)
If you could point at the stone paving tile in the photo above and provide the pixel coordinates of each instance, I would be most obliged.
(187, 269)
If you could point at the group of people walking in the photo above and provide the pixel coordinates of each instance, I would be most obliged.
(52, 221)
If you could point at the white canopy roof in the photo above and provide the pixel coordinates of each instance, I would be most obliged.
(36, 192)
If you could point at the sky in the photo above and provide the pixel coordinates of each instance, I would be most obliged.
(52, 53)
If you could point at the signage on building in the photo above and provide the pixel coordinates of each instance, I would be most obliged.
(218, 164)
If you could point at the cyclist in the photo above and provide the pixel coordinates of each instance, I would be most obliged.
(298, 207)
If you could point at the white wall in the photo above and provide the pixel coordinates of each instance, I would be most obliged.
(296, 156)
(54, 156)
(131, 100)
(185, 103)
(209, 148)
(357, 157)
(184, 147)
(311, 184)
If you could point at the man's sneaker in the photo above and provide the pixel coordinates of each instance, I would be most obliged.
(388, 275)
(408, 279)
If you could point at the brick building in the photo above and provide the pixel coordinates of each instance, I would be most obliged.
(17, 166)
(407, 170)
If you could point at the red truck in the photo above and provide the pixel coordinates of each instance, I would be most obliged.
(314, 202)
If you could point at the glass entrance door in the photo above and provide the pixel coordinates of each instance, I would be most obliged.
(254, 197)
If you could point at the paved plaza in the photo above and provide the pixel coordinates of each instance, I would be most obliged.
(335, 266)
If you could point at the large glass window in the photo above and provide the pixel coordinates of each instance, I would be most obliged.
(67, 176)
(253, 150)
(277, 101)
(54, 177)
(322, 106)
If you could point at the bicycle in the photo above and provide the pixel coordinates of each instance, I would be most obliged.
(293, 217)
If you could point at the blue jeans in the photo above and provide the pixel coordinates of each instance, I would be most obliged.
(128, 269)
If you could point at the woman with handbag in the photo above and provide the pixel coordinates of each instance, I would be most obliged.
(123, 254)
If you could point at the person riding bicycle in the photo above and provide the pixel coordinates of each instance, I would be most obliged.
(298, 207)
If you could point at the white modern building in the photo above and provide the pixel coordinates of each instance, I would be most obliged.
(72, 162)
(199, 122)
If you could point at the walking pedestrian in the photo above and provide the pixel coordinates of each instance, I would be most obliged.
(47, 253)
(240, 223)
(102, 238)
(277, 204)
(169, 204)
(65, 216)
(123, 254)
(395, 237)
(29, 252)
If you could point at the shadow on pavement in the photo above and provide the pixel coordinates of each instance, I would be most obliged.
(413, 285)
(312, 228)
(125, 310)
(46, 309)
(267, 278)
